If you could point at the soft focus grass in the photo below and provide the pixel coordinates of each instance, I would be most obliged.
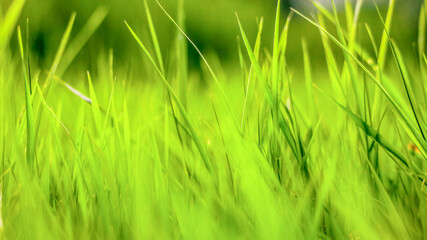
(256, 152)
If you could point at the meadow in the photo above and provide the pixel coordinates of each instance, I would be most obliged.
(169, 141)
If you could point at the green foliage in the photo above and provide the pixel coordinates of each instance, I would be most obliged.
(295, 152)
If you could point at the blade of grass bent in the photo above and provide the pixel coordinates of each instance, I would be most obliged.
(73, 90)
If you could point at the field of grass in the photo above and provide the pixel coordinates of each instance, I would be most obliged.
(262, 149)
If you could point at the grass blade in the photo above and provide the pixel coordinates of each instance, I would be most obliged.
(9, 21)
(81, 38)
(94, 103)
(31, 130)
(382, 55)
(60, 52)
(248, 90)
(308, 79)
(154, 37)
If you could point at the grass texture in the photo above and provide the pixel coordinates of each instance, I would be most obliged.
(258, 153)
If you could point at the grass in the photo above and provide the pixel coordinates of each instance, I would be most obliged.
(112, 155)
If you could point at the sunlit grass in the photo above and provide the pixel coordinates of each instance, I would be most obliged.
(260, 155)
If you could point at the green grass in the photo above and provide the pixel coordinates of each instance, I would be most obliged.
(262, 152)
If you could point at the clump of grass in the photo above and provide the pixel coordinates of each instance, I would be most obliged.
(118, 158)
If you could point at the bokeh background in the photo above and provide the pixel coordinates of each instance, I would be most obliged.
(211, 24)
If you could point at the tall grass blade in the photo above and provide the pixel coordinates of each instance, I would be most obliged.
(9, 21)
(308, 79)
(382, 55)
(82, 37)
(190, 126)
(31, 129)
(59, 53)
(154, 37)
(248, 90)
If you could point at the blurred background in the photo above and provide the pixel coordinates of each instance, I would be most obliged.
(211, 24)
